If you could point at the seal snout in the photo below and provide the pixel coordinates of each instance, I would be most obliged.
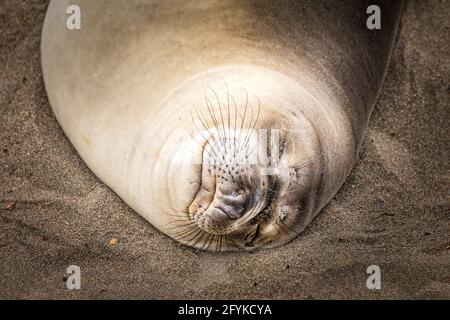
(231, 200)
(227, 210)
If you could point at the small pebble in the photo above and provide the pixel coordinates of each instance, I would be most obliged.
(113, 242)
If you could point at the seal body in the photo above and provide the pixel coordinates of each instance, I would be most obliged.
(226, 124)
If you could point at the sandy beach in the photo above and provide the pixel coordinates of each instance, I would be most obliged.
(393, 211)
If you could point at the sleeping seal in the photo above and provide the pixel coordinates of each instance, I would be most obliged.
(228, 125)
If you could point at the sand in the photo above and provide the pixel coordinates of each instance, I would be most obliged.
(393, 210)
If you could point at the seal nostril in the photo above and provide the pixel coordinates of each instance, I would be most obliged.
(234, 199)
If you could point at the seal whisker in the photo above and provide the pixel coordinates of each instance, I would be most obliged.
(219, 243)
(184, 225)
(214, 119)
(206, 139)
(248, 132)
(243, 119)
(227, 239)
(221, 115)
(235, 119)
(185, 234)
(179, 220)
(197, 239)
(208, 241)
(257, 117)
(170, 208)
(228, 111)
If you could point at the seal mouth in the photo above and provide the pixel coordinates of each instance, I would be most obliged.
(229, 206)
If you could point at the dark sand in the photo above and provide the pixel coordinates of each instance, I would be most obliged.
(393, 211)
